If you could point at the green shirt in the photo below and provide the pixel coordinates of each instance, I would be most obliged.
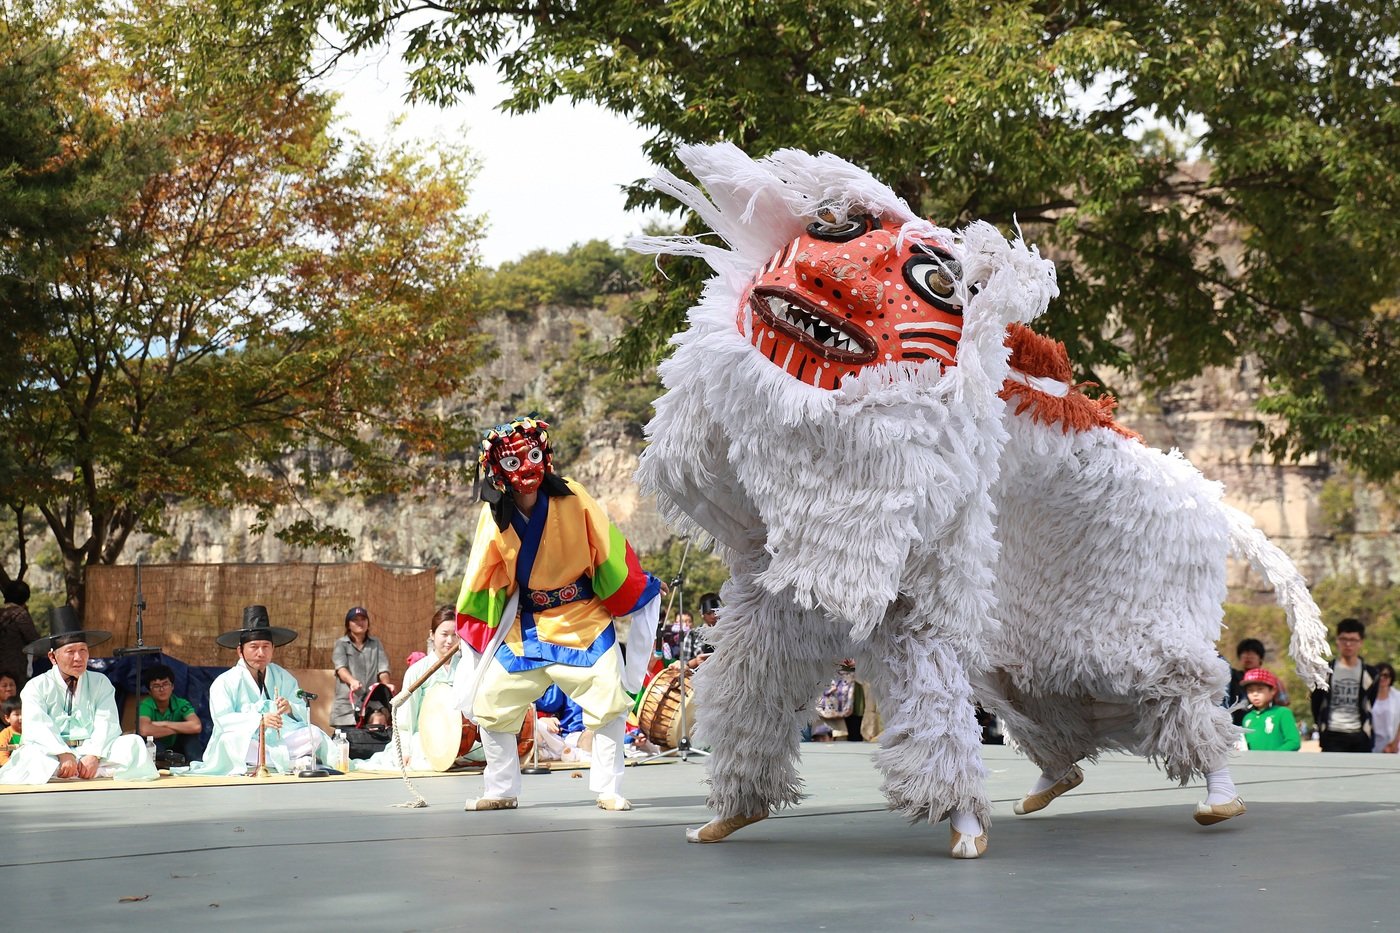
(1271, 730)
(179, 710)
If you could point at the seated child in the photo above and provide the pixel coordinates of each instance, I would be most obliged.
(1267, 728)
(164, 716)
(12, 715)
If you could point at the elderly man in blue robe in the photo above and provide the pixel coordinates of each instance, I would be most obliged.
(72, 730)
(258, 694)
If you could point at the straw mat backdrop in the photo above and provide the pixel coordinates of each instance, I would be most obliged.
(188, 605)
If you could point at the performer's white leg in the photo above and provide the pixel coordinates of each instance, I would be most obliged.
(1220, 787)
(605, 772)
(501, 780)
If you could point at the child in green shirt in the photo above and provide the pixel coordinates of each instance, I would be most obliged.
(1267, 728)
(162, 715)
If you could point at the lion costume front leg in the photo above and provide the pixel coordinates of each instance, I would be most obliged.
(752, 698)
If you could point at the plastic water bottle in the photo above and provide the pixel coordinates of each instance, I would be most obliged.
(342, 752)
(151, 747)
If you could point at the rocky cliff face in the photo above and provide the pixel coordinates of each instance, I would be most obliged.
(1328, 524)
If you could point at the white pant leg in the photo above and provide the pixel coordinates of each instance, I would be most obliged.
(502, 775)
(605, 773)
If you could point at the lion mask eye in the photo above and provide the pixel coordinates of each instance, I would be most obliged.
(934, 275)
(836, 229)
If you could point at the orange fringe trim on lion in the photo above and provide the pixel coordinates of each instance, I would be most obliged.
(1036, 355)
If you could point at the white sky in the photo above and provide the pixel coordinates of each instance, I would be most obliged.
(548, 179)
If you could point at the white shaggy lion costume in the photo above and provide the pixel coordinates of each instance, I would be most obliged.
(887, 480)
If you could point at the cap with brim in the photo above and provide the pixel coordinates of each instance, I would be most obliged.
(65, 629)
(1259, 675)
(256, 627)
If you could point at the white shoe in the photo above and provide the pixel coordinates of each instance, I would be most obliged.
(613, 802)
(490, 803)
(1210, 813)
(1033, 802)
(967, 846)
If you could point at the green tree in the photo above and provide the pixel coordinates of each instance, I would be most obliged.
(1223, 174)
(259, 304)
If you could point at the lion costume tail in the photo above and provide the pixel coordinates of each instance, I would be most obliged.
(1308, 644)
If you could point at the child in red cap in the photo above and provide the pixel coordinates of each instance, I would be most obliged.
(1267, 728)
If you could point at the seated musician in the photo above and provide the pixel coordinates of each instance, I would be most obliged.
(442, 640)
(697, 648)
(257, 694)
(163, 716)
(559, 731)
(71, 726)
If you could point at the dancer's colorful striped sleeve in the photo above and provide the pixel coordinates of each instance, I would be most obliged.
(485, 587)
(618, 578)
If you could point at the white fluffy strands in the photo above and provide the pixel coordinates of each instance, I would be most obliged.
(855, 515)
(1133, 543)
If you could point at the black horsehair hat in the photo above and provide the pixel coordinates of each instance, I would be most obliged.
(65, 629)
(256, 627)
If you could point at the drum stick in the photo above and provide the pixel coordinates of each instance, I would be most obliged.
(403, 696)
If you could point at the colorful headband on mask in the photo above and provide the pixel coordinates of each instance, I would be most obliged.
(488, 460)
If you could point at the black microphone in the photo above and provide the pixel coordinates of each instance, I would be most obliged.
(303, 695)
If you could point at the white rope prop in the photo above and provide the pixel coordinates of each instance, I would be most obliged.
(417, 803)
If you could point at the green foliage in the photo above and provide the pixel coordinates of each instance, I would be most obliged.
(219, 299)
(584, 275)
(1337, 500)
(704, 572)
(1070, 117)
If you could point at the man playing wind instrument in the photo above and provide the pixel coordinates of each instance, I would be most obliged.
(257, 693)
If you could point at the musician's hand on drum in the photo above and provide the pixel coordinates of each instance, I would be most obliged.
(695, 662)
(87, 767)
(67, 765)
(272, 720)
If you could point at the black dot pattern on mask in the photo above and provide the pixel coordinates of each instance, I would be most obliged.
(819, 283)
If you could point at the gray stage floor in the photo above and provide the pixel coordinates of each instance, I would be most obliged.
(1317, 849)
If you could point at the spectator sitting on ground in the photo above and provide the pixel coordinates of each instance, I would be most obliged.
(12, 715)
(1268, 727)
(1385, 712)
(72, 729)
(165, 717)
(9, 686)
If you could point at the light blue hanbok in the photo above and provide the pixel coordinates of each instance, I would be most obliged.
(83, 723)
(237, 705)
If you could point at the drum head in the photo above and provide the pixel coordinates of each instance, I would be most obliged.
(441, 728)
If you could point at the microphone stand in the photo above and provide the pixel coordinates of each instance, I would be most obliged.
(315, 771)
(140, 649)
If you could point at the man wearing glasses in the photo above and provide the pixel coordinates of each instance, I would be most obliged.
(1343, 712)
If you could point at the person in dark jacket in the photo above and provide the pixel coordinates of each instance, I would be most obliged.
(1343, 711)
